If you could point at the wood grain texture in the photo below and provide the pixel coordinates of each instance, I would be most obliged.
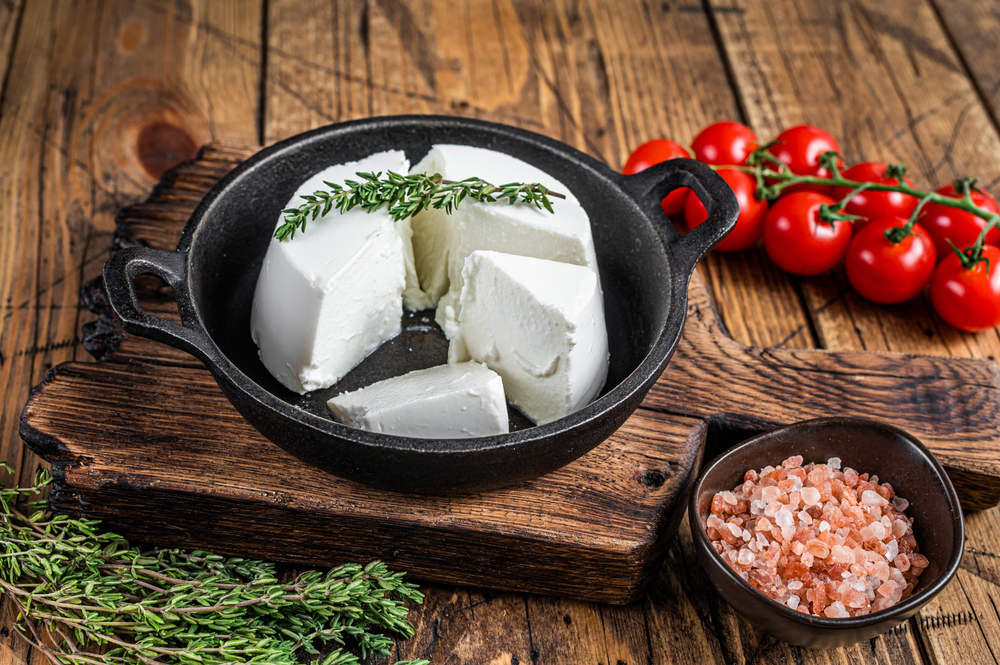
(98, 100)
(950, 404)
(603, 76)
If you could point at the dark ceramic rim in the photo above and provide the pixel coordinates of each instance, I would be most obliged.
(908, 606)
(645, 189)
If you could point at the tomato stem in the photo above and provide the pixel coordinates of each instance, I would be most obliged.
(771, 183)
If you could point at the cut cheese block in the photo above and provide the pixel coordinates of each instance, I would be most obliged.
(331, 295)
(445, 402)
(441, 242)
(539, 324)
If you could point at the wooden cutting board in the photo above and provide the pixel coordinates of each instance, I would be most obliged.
(145, 441)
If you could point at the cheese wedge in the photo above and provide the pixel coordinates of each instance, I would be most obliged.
(444, 402)
(441, 241)
(331, 295)
(539, 324)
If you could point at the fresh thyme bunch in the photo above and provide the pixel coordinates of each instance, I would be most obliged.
(406, 195)
(74, 588)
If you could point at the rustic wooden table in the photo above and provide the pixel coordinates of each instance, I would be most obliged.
(99, 98)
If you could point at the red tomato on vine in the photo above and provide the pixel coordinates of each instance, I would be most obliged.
(890, 270)
(798, 240)
(870, 204)
(799, 148)
(749, 224)
(654, 152)
(959, 226)
(968, 298)
(724, 143)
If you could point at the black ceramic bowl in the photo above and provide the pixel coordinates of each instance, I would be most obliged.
(645, 268)
(867, 447)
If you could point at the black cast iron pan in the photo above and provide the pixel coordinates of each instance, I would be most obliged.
(645, 268)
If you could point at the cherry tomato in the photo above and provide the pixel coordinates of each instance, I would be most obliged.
(968, 299)
(886, 272)
(724, 143)
(749, 224)
(798, 240)
(959, 226)
(799, 148)
(872, 205)
(654, 152)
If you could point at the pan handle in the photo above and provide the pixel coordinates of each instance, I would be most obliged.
(126, 265)
(650, 186)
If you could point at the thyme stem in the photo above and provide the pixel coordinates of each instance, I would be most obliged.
(406, 195)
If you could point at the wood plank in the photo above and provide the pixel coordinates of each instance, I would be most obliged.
(98, 100)
(10, 17)
(972, 28)
(884, 78)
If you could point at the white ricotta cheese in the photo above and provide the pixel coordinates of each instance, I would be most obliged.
(539, 324)
(329, 297)
(441, 242)
(445, 402)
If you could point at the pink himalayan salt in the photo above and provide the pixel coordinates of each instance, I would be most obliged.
(834, 540)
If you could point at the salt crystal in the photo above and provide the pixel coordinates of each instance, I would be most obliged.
(891, 550)
(735, 530)
(887, 588)
(902, 563)
(795, 585)
(824, 526)
(729, 498)
(810, 496)
(818, 548)
(714, 521)
(899, 528)
(784, 518)
(805, 518)
(757, 507)
(793, 601)
(807, 559)
(841, 554)
(762, 541)
(745, 576)
(746, 536)
(745, 557)
(836, 610)
(870, 498)
(787, 532)
(792, 462)
(770, 494)
(855, 598)
(900, 504)
(772, 508)
(833, 462)
(798, 548)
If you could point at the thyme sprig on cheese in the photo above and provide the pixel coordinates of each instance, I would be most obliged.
(406, 195)
(74, 587)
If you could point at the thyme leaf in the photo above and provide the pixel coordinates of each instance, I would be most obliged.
(406, 195)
